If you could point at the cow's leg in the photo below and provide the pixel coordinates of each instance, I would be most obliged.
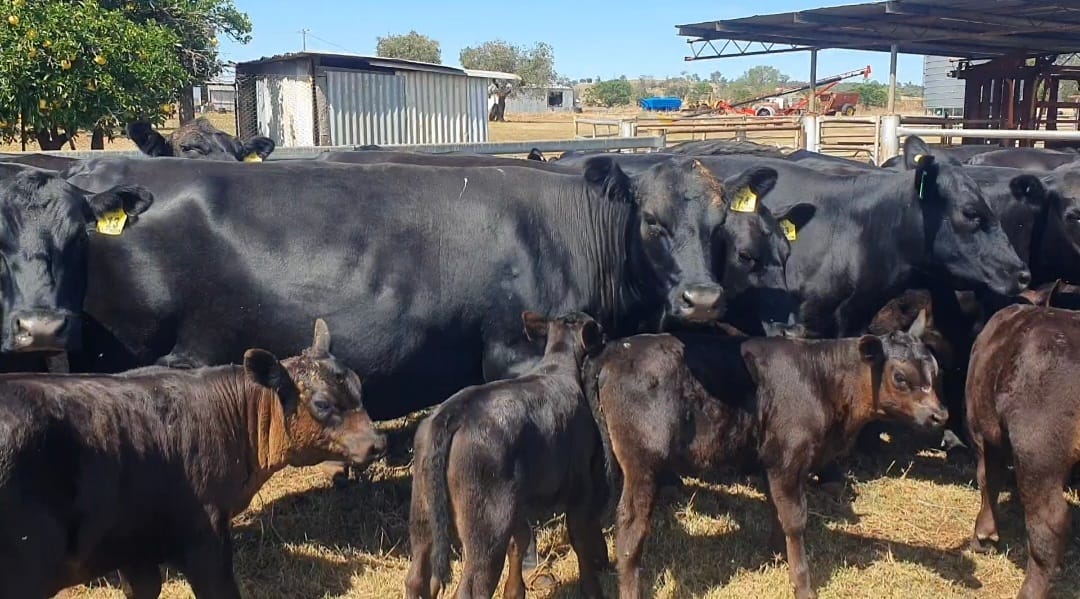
(991, 476)
(141, 581)
(514, 588)
(1046, 514)
(777, 539)
(787, 487)
(485, 536)
(587, 539)
(632, 525)
(418, 581)
(207, 564)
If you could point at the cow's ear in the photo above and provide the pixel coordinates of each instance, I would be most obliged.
(798, 214)
(1028, 189)
(743, 192)
(604, 172)
(132, 199)
(320, 343)
(536, 326)
(916, 151)
(592, 337)
(263, 368)
(257, 149)
(150, 142)
(870, 349)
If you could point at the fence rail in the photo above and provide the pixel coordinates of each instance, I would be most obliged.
(498, 147)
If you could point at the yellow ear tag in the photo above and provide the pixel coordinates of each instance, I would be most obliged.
(745, 201)
(918, 158)
(112, 223)
(788, 228)
(253, 157)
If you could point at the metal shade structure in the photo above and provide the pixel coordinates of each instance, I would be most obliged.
(972, 29)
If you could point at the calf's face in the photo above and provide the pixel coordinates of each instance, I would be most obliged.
(324, 414)
(909, 376)
(44, 222)
(1064, 196)
(199, 139)
(575, 333)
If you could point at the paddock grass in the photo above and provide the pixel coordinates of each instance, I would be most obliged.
(898, 531)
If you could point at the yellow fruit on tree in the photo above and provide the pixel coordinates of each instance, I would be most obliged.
(43, 104)
(13, 20)
(167, 108)
(31, 35)
(32, 53)
(100, 59)
(65, 64)
(19, 3)
(90, 85)
(46, 44)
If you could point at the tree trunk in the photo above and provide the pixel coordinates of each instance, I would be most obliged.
(187, 105)
(97, 140)
(498, 110)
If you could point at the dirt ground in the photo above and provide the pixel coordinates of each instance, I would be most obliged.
(897, 533)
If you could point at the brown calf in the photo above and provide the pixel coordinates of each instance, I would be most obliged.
(687, 403)
(492, 453)
(99, 473)
(1023, 402)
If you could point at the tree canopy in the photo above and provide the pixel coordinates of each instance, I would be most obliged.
(409, 46)
(535, 65)
(615, 92)
(66, 66)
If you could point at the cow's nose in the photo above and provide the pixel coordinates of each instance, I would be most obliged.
(701, 302)
(1023, 278)
(40, 332)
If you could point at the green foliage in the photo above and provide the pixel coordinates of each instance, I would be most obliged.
(757, 81)
(615, 92)
(409, 46)
(872, 93)
(78, 65)
(535, 66)
(197, 24)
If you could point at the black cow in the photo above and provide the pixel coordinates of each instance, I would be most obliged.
(1029, 159)
(46, 224)
(45, 161)
(872, 232)
(824, 163)
(426, 270)
(199, 139)
(424, 159)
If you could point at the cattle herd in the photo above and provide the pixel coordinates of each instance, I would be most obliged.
(588, 327)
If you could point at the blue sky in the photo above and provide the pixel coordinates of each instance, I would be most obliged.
(591, 39)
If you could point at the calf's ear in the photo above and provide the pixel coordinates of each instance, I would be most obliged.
(536, 326)
(257, 149)
(604, 172)
(743, 192)
(922, 322)
(263, 368)
(320, 344)
(870, 349)
(799, 214)
(592, 337)
(150, 142)
(132, 199)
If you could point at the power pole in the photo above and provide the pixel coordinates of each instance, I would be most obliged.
(303, 37)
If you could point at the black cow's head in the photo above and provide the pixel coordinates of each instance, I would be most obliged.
(1064, 203)
(678, 207)
(199, 139)
(962, 234)
(44, 222)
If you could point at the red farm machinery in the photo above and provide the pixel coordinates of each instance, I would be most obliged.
(829, 102)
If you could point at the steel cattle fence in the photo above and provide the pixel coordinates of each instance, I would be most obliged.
(650, 144)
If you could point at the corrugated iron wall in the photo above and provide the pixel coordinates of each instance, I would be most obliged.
(940, 90)
(365, 107)
(478, 109)
(285, 111)
(444, 108)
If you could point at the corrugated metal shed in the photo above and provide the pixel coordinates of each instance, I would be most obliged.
(314, 98)
(941, 92)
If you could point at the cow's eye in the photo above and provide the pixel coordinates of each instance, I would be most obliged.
(972, 215)
(745, 257)
(899, 380)
(1073, 216)
(321, 407)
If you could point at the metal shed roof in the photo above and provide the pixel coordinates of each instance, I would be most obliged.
(358, 61)
(960, 28)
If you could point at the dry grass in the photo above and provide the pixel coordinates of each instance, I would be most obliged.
(222, 120)
(897, 533)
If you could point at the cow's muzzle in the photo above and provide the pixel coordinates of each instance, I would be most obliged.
(41, 331)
